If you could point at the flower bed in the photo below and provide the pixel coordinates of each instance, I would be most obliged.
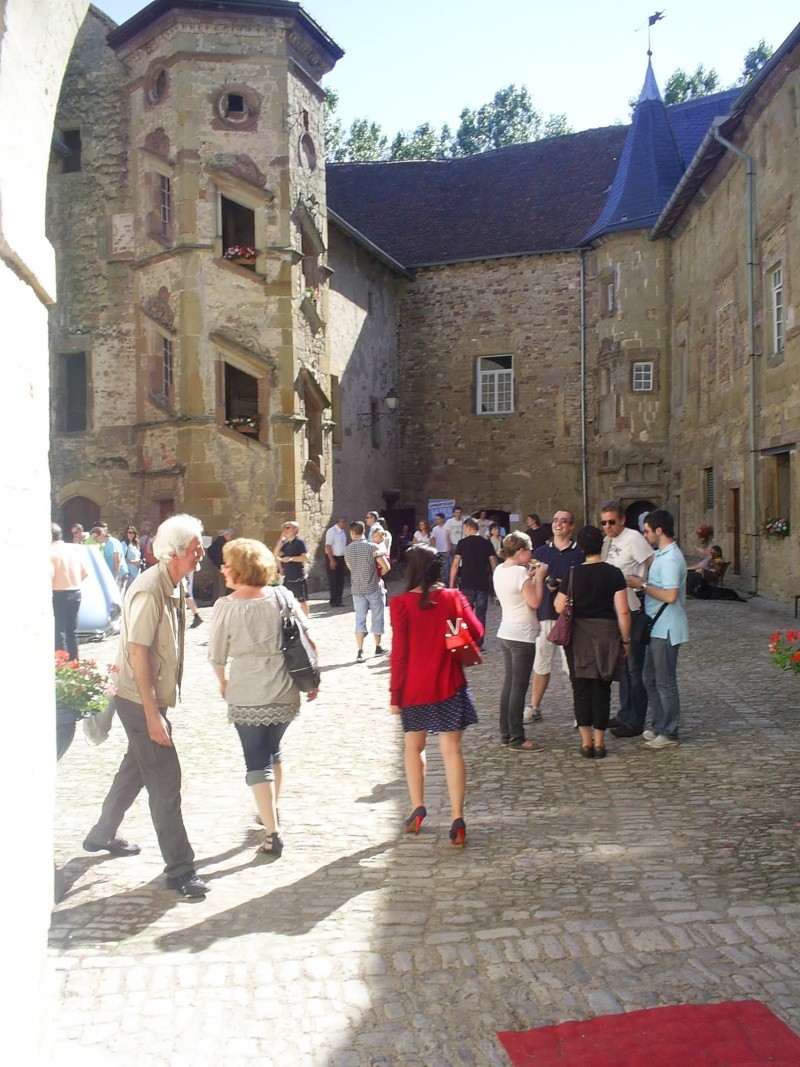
(784, 649)
(777, 528)
(80, 687)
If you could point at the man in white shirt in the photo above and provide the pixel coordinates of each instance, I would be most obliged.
(455, 531)
(441, 542)
(335, 544)
(628, 550)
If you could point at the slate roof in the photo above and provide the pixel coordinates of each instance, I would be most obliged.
(659, 146)
(544, 196)
(537, 197)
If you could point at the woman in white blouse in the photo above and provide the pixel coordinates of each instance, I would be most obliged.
(518, 584)
(422, 535)
(246, 633)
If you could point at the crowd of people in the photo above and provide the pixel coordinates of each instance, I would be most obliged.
(623, 589)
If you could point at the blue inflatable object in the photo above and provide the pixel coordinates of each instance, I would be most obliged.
(101, 600)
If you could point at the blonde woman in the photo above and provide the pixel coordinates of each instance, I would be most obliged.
(245, 651)
(518, 585)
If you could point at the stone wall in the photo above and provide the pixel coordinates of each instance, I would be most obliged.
(528, 308)
(711, 394)
(363, 310)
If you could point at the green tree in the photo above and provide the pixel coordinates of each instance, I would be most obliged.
(423, 143)
(681, 86)
(508, 118)
(754, 60)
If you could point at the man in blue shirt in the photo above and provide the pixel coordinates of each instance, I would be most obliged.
(665, 586)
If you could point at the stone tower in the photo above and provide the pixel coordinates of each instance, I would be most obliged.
(189, 344)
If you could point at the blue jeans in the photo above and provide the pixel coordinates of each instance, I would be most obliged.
(518, 658)
(261, 746)
(479, 601)
(372, 602)
(632, 691)
(661, 680)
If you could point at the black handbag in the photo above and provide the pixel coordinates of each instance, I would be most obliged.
(299, 659)
(642, 625)
(561, 632)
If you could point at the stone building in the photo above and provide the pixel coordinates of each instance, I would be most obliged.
(583, 317)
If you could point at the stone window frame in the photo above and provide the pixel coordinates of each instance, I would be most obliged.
(231, 355)
(643, 376)
(63, 353)
(499, 381)
(777, 477)
(776, 309)
(315, 403)
(161, 216)
(227, 187)
(72, 161)
(162, 367)
(244, 119)
(709, 495)
(156, 85)
(608, 291)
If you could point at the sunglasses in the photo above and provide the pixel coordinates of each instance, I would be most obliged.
(610, 522)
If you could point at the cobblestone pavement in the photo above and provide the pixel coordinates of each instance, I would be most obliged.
(586, 888)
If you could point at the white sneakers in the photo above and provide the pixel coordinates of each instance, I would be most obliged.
(531, 715)
(661, 741)
(648, 735)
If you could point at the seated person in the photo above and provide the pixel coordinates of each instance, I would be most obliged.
(707, 571)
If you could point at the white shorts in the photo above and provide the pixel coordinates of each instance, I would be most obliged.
(546, 650)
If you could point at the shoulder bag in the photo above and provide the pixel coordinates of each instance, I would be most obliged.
(561, 631)
(460, 644)
(642, 625)
(297, 655)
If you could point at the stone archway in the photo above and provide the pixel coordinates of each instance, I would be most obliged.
(36, 37)
(635, 513)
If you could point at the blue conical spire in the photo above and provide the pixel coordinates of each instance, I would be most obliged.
(649, 168)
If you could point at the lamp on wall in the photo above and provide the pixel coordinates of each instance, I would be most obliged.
(390, 400)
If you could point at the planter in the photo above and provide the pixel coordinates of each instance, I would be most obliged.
(244, 261)
(65, 729)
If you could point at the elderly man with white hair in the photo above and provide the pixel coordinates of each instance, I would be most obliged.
(150, 664)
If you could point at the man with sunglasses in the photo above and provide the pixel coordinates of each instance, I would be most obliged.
(628, 550)
(560, 554)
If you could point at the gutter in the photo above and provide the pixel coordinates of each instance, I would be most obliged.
(751, 333)
(584, 456)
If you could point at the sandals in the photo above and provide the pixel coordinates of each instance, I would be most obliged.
(414, 821)
(273, 846)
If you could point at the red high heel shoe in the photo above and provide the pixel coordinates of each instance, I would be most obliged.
(414, 821)
(458, 833)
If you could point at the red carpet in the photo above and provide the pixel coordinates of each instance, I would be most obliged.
(735, 1034)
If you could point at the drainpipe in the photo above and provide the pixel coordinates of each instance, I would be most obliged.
(584, 457)
(751, 358)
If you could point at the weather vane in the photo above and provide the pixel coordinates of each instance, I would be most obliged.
(657, 17)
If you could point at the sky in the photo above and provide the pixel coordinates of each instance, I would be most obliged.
(425, 60)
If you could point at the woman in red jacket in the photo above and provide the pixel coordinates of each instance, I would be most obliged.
(428, 688)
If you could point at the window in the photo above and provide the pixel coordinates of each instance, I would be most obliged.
(162, 375)
(374, 424)
(237, 107)
(495, 385)
(238, 232)
(336, 410)
(165, 205)
(167, 367)
(708, 488)
(643, 377)
(240, 399)
(72, 158)
(776, 310)
(72, 393)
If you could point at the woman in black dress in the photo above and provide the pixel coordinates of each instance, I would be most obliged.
(601, 632)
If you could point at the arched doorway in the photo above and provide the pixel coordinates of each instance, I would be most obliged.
(79, 509)
(635, 513)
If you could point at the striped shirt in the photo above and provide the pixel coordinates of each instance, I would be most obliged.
(359, 556)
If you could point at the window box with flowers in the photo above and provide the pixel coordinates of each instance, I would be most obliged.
(704, 532)
(248, 424)
(243, 255)
(776, 529)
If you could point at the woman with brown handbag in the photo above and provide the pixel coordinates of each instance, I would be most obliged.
(428, 688)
